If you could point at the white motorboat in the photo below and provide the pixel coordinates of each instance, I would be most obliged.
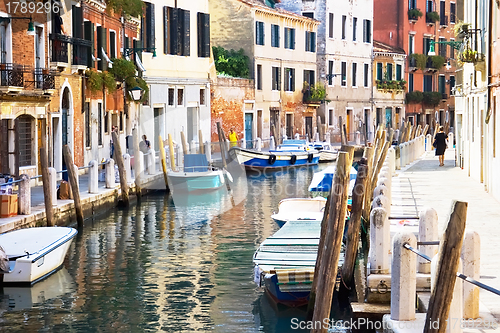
(326, 152)
(300, 209)
(34, 253)
(196, 176)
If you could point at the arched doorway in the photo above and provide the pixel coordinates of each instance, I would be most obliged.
(65, 128)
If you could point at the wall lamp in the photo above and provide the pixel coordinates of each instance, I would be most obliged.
(31, 26)
(454, 44)
(131, 50)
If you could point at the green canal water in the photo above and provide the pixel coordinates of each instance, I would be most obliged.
(168, 264)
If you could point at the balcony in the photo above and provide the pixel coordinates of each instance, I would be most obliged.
(452, 18)
(431, 18)
(443, 20)
(412, 65)
(444, 96)
(59, 47)
(81, 51)
(44, 79)
(391, 85)
(11, 78)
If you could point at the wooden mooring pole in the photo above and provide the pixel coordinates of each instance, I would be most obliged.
(184, 144)
(49, 211)
(163, 161)
(328, 262)
(171, 152)
(137, 163)
(74, 184)
(201, 143)
(121, 169)
(222, 144)
(447, 267)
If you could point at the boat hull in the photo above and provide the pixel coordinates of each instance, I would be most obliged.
(326, 156)
(273, 160)
(47, 248)
(300, 209)
(195, 181)
(288, 298)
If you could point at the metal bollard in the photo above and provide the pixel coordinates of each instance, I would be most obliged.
(358, 138)
(429, 142)
(53, 185)
(24, 201)
(259, 144)
(208, 151)
(110, 173)
(427, 231)
(450, 140)
(380, 240)
(93, 177)
(272, 144)
(126, 164)
(403, 277)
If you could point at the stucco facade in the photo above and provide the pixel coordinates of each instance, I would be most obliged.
(344, 61)
(279, 45)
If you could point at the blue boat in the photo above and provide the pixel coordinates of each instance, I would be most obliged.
(322, 180)
(275, 159)
(197, 175)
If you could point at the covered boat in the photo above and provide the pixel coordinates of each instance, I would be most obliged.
(197, 175)
(274, 159)
(34, 253)
(300, 209)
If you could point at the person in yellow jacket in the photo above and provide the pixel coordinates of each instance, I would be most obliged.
(233, 138)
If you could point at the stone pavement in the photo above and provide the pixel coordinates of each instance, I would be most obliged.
(436, 187)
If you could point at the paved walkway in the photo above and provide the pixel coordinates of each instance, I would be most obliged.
(436, 187)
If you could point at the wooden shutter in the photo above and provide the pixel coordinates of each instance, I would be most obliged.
(165, 30)
(150, 25)
(186, 40)
(293, 39)
(77, 13)
(206, 35)
(313, 42)
(137, 45)
(112, 44)
(293, 79)
(4, 146)
(364, 31)
(88, 28)
(174, 31)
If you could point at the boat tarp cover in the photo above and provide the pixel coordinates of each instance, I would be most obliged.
(195, 163)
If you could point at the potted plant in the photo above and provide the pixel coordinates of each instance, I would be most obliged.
(461, 29)
(94, 80)
(414, 14)
(468, 55)
(432, 17)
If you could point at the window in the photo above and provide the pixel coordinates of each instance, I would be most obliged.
(429, 7)
(443, 48)
(149, 26)
(354, 26)
(310, 41)
(203, 35)
(452, 84)
(202, 96)
(354, 73)
(25, 139)
(308, 14)
(367, 75)
(426, 45)
(171, 96)
(289, 79)
(412, 4)
(112, 44)
(427, 82)
(259, 77)
(289, 38)
(389, 72)
(330, 25)
(442, 84)
(330, 117)
(452, 50)
(410, 82)
(120, 117)
(411, 44)
(99, 124)
(379, 71)
(344, 19)
(106, 122)
(276, 84)
(259, 33)
(88, 135)
(399, 74)
(309, 77)
(330, 72)
(177, 31)
(275, 35)
(88, 34)
(343, 70)
(367, 31)
(452, 12)
(180, 97)
(101, 46)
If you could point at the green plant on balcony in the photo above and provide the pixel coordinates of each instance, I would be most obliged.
(122, 69)
(432, 98)
(126, 7)
(402, 84)
(313, 94)
(108, 81)
(468, 55)
(414, 14)
(231, 63)
(432, 17)
(94, 80)
(461, 29)
(437, 61)
(414, 97)
(420, 60)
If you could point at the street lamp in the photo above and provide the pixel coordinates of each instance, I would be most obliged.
(131, 50)
(31, 26)
(454, 44)
(136, 93)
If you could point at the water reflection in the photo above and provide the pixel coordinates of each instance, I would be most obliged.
(170, 264)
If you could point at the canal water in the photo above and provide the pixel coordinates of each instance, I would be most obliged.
(169, 263)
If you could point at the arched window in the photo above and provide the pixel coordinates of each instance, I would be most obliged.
(25, 126)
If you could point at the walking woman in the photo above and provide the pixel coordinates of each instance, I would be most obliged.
(440, 143)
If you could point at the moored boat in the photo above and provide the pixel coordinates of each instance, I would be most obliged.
(326, 152)
(34, 253)
(275, 159)
(197, 175)
(300, 209)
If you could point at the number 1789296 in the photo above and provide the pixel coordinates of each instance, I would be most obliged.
(32, 7)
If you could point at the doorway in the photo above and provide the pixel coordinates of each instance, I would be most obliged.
(309, 127)
(289, 125)
(157, 122)
(348, 125)
(249, 130)
(193, 123)
(65, 127)
(274, 121)
(388, 118)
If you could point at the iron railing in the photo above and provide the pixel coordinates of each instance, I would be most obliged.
(44, 79)
(11, 75)
(81, 52)
(59, 46)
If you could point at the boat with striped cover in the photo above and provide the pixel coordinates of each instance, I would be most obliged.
(284, 263)
(299, 209)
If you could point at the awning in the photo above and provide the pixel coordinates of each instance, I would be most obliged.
(139, 64)
(110, 63)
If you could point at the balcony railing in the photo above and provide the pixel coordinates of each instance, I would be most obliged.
(81, 49)
(443, 20)
(44, 79)
(59, 46)
(412, 64)
(429, 65)
(444, 96)
(11, 75)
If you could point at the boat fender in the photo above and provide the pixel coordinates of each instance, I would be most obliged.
(293, 159)
(272, 159)
(310, 158)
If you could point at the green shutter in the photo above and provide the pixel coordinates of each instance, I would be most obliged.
(165, 30)
(186, 37)
(88, 28)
